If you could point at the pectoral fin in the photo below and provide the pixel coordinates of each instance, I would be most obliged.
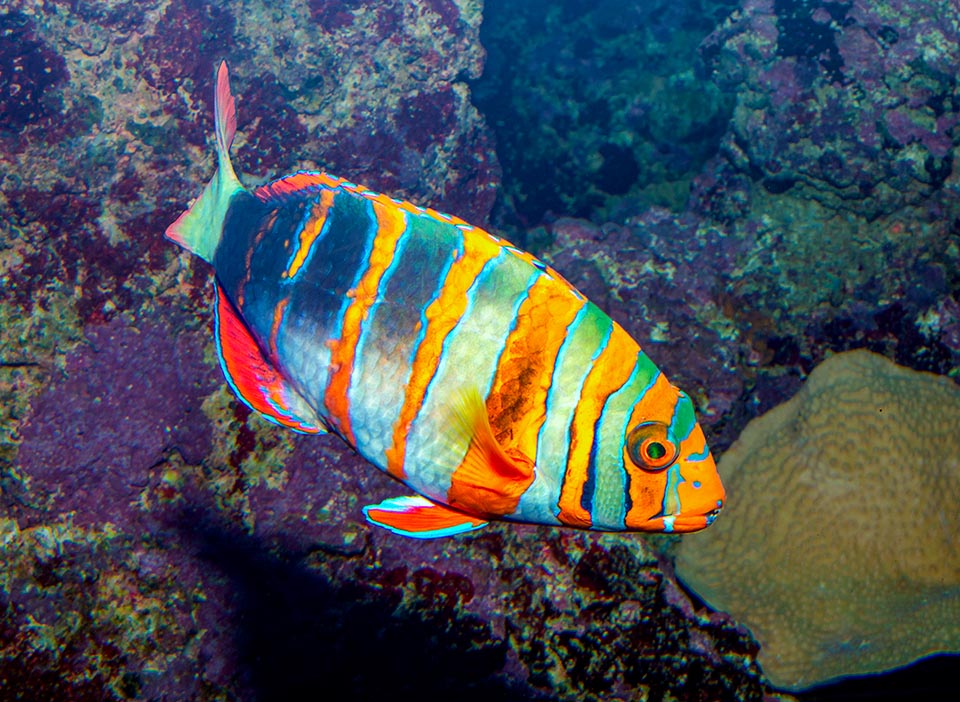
(418, 517)
(490, 479)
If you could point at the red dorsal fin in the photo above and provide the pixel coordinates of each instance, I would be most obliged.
(253, 377)
(297, 185)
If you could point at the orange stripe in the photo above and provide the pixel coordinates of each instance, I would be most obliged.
(310, 232)
(608, 374)
(275, 328)
(391, 223)
(518, 396)
(442, 316)
(248, 259)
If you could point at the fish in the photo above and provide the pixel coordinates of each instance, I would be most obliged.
(462, 366)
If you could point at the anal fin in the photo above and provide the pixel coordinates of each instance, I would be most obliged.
(420, 518)
(254, 379)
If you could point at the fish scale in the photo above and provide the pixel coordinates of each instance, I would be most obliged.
(462, 366)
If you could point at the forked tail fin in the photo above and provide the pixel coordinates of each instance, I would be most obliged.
(199, 228)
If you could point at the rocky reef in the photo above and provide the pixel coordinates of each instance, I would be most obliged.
(597, 107)
(838, 167)
(852, 104)
(160, 542)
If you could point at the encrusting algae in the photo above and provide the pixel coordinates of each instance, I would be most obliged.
(841, 548)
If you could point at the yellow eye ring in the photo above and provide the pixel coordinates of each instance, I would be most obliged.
(651, 447)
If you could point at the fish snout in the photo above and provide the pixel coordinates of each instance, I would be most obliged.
(700, 494)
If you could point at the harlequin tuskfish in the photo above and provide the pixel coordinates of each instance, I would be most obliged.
(462, 366)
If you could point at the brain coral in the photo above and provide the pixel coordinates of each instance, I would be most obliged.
(840, 544)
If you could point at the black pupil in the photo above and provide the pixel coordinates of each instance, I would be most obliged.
(656, 450)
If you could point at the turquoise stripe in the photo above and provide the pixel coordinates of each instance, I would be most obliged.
(441, 282)
(702, 456)
(371, 425)
(600, 349)
(481, 282)
(562, 353)
(609, 501)
(671, 496)
(514, 318)
(681, 426)
(684, 418)
(467, 363)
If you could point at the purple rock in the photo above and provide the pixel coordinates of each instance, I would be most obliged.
(817, 109)
(659, 281)
(128, 395)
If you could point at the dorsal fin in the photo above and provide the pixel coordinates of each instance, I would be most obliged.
(300, 184)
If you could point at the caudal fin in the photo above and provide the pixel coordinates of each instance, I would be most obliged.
(199, 228)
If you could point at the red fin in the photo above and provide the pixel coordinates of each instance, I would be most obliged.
(491, 479)
(420, 518)
(254, 379)
(304, 182)
(225, 110)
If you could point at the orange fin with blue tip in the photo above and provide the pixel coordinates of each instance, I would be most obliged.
(420, 518)
(254, 379)
(490, 479)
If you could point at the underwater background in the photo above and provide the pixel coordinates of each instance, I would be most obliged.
(752, 188)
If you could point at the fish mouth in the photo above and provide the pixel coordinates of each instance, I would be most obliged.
(686, 523)
(713, 514)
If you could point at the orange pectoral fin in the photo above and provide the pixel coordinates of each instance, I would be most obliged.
(491, 479)
(418, 517)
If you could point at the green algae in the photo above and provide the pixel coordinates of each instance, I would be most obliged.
(816, 258)
(98, 609)
(162, 137)
(247, 451)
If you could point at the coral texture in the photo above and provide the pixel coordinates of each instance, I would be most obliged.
(839, 548)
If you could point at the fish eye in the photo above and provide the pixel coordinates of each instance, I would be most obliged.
(651, 447)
